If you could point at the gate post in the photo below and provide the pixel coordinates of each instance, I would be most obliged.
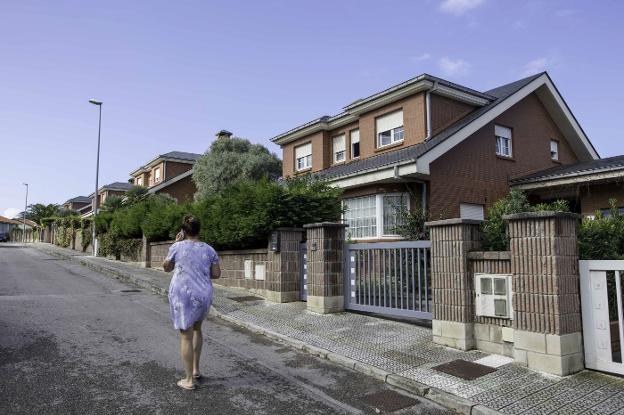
(325, 251)
(283, 266)
(547, 305)
(451, 281)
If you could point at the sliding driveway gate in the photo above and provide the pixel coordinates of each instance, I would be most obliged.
(391, 278)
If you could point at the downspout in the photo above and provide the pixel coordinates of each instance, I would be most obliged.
(428, 108)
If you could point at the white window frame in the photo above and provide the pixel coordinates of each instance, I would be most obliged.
(340, 156)
(355, 142)
(554, 144)
(379, 216)
(396, 136)
(304, 162)
(157, 176)
(499, 141)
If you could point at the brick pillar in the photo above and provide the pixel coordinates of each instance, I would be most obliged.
(451, 281)
(546, 299)
(325, 252)
(283, 266)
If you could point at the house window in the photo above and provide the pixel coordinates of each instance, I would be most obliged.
(355, 144)
(139, 181)
(338, 144)
(157, 174)
(303, 157)
(554, 150)
(374, 216)
(471, 211)
(389, 129)
(503, 141)
(606, 212)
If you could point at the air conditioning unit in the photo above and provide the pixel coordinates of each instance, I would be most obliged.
(493, 292)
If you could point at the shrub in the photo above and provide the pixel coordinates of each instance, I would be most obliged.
(162, 218)
(411, 223)
(603, 236)
(494, 228)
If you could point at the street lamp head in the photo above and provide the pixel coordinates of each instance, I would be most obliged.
(95, 102)
(25, 184)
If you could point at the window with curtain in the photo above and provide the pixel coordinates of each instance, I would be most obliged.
(503, 141)
(338, 144)
(391, 204)
(361, 216)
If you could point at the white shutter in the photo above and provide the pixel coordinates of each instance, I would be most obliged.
(339, 143)
(355, 136)
(471, 211)
(502, 131)
(390, 121)
(303, 151)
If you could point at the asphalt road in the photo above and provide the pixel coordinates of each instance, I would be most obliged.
(73, 341)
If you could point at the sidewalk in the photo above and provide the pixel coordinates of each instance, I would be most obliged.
(401, 354)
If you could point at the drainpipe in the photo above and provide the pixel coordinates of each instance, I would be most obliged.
(428, 108)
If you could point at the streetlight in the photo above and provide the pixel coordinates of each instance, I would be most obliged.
(25, 208)
(97, 172)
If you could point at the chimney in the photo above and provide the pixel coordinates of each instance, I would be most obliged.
(225, 134)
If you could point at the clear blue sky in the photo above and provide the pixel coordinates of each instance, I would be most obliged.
(173, 73)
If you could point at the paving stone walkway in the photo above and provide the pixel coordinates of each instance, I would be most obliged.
(402, 349)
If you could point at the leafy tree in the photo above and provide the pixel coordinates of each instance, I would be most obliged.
(603, 236)
(64, 213)
(232, 160)
(38, 211)
(135, 194)
(112, 203)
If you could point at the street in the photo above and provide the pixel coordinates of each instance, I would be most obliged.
(75, 341)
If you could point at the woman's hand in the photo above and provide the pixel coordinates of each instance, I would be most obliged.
(180, 236)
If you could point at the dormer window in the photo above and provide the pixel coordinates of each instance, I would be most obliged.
(389, 129)
(339, 150)
(503, 141)
(355, 144)
(303, 157)
(157, 174)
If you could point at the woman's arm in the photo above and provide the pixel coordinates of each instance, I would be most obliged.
(215, 271)
(168, 265)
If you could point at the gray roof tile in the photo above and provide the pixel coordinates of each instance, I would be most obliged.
(578, 169)
(182, 155)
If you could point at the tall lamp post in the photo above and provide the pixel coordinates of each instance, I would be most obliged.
(97, 172)
(25, 208)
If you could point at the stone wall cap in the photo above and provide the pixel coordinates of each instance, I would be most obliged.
(544, 214)
(490, 255)
(454, 221)
(287, 229)
(325, 225)
(243, 251)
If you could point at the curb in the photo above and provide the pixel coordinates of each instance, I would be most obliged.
(453, 402)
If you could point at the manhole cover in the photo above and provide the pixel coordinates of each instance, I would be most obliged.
(131, 291)
(388, 400)
(246, 298)
(464, 369)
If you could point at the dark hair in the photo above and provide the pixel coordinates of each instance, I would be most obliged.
(190, 225)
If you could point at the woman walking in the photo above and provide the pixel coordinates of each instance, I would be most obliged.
(194, 265)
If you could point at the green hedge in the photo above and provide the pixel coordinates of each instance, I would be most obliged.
(603, 236)
(239, 217)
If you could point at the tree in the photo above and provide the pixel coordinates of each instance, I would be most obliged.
(135, 194)
(39, 211)
(112, 203)
(231, 161)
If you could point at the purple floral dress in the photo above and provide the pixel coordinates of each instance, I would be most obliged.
(190, 291)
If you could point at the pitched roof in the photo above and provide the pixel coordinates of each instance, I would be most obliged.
(413, 152)
(79, 199)
(579, 169)
(4, 219)
(182, 155)
(117, 186)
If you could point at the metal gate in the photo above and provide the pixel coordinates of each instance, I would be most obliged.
(389, 278)
(303, 272)
(603, 319)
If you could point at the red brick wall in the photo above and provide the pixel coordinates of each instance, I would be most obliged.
(473, 173)
(183, 190)
(446, 111)
(173, 169)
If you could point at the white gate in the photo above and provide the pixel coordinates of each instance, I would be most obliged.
(603, 319)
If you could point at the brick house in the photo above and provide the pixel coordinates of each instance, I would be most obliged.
(430, 142)
(77, 203)
(104, 192)
(168, 173)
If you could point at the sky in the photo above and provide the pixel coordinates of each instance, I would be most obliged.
(171, 74)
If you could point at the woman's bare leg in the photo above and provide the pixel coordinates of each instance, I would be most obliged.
(186, 353)
(198, 342)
